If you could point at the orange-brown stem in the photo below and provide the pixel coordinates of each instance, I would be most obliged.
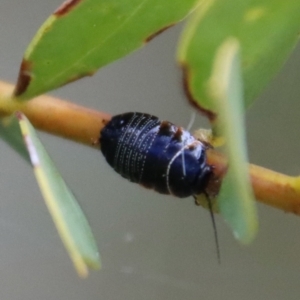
(83, 125)
(55, 116)
(270, 187)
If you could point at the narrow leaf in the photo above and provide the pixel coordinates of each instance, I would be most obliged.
(11, 133)
(82, 36)
(236, 200)
(267, 31)
(70, 222)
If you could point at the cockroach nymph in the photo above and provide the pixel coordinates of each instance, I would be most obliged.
(157, 154)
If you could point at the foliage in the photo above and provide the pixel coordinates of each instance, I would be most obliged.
(229, 50)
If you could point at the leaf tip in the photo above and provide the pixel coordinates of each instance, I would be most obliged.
(247, 235)
(82, 264)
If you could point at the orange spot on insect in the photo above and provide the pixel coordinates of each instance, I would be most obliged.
(178, 134)
(165, 125)
(165, 128)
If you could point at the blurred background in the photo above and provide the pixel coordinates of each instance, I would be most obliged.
(152, 246)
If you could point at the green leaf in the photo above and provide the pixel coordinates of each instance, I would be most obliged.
(267, 31)
(82, 36)
(69, 219)
(236, 199)
(11, 133)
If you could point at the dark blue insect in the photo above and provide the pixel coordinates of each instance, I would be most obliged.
(158, 155)
(155, 154)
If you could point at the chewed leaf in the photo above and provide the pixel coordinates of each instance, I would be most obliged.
(69, 219)
(82, 36)
(267, 31)
(236, 199)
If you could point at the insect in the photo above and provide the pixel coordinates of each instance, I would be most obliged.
(158, 155)
(155, 154)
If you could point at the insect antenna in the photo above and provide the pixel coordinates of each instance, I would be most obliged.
(192, 120)
(212, 216)
(183, 163)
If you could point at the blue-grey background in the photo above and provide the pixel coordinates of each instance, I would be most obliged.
(152, 246)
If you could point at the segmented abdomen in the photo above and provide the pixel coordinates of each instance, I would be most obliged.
(155, 154)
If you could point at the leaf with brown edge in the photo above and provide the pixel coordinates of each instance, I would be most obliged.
(66, 7)
(267, 31)
(82, 36)
(24, 78)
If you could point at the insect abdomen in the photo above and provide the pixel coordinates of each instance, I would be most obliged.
(155, 154)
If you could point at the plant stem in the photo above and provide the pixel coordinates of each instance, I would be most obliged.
(55, 116)
(270, 187)
(83, 125)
